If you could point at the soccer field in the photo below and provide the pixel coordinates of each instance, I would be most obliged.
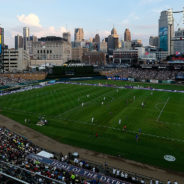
(161, 120)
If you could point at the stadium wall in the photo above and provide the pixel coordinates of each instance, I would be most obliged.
(72, 71)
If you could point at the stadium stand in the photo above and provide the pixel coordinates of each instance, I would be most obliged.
(138, 73)
(17, 166)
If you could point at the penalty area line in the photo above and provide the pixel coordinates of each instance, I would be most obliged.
(163, 109)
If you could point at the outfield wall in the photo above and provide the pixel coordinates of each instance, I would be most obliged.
(153, 81)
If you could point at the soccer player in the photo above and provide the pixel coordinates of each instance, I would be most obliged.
(92, 119)
(142, 104)
(137, 137)
(96, 134)
(82, 104)
(119, 121)
(139, 131)
(124, 128)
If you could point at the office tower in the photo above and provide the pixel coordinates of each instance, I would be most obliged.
(18, 42)
(52, 49)
(67, 36)
(29, 44)
(153, 41)
(113, 40)
(166, 31)
(127, 35)
(25, 37)
(1, 48)
(79, 35)
(97, 38)
(1, 39)
(179, 41)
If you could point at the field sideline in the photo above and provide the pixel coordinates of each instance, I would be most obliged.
(160, 121)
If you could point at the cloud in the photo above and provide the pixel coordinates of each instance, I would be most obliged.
(29, 20)
(48, 31)
(104, 34)
(132, 17)
(36, 31)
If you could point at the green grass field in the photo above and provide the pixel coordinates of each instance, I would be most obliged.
(179, 87)
(161, 120)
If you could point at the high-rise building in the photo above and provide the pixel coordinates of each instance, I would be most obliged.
(25, 37)
(16, 60)
(33, 38)
(136, 43)
(113, 40)
(97, 38)
(153, 41)
(103, 46)
(67, 36)
(166, 32)
(179, 41)
(127, 35)
(26, 32)
(79, 35)
(18, 42)
(29, 45)
(1, 47)
(51, 49)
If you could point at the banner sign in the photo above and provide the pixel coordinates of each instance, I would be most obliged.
(117, 78)
(52, 82)
(79, 171)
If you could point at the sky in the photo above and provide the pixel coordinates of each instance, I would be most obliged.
(53, 17)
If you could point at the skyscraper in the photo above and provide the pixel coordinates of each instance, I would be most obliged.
(97, 38)
(29, 44)
(153, 41)
(166, 32)
(79, 35)
(127, 35)
(18, 42)
(1, 39)
(25, 37)
(1, 48)
(113, 40)
(67, 36)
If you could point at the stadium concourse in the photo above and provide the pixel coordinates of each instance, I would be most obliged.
(19, 162)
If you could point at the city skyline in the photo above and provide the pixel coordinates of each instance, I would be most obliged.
(43, 18)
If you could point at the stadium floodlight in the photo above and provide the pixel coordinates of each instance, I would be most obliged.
(170, 16)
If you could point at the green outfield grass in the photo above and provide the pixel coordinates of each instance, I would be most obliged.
(161, 120)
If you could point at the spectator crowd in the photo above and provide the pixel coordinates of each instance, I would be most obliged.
(7, 81)
(142, 74)
(14, 163)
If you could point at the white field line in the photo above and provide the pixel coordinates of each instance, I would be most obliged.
(163, 109)
(118, 129)
(91, 101)
(128, 131)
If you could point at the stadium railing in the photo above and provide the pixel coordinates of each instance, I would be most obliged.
(7, 167)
